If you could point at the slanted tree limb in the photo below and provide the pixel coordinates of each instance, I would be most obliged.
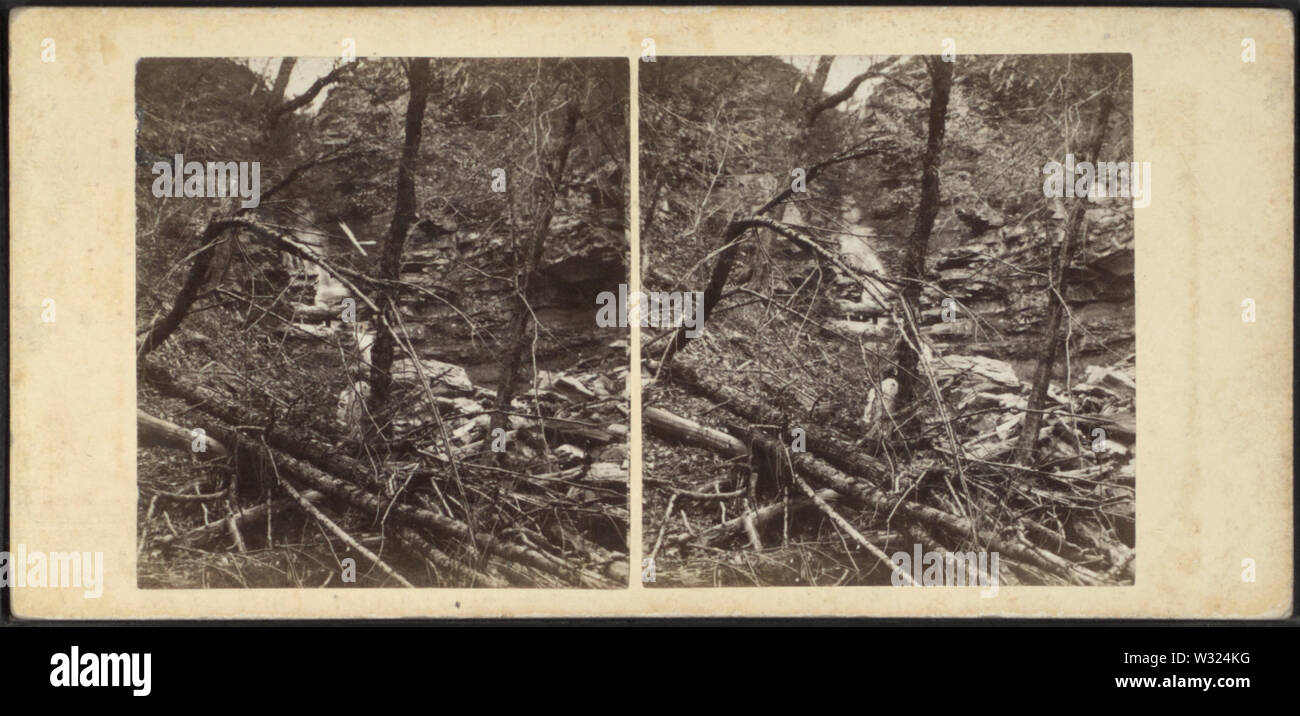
(330, 525)
(440, 561)
(199, 270)
(735, 229)
(1056, 298)
(156, 432)
(189, 292)
(404, 514)
(306, 97)
(852, 531)
(547, 187)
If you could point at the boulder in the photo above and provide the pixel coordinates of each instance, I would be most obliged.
(443, 378)
(995, 370)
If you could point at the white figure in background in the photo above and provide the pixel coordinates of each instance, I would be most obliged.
(880, 405)
(351, 413)
(364, 338)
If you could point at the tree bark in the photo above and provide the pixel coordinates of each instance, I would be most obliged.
(390, 262)
(914, 257)
(517, 333)
(811, 105)
(156, 432)
(303, 457)
(281, 85)
(190, 290)
(1056, 297)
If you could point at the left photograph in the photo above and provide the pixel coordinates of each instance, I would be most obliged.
(369, 339)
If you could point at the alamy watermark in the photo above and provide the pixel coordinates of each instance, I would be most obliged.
(1098, 180)
(196, 180)
(23, 568)
(660, 309)
(948, 569)
(130, 669)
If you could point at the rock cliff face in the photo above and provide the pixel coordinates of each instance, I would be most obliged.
(994, 269)
(455, 313)
(999, 277)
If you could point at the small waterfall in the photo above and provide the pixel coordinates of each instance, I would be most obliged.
(856, 252)
(328, 294)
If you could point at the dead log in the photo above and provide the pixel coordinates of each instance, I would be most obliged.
(404, 514)
(852, 531)
(582, 435)
(342, 534)
(155, 432)
(319, 463)
(837, 452)
(303, 443)
(864, 493)
(690, 432)
(440, 561)
(957, 527)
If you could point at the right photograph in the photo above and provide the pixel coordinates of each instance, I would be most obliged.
(888, 330)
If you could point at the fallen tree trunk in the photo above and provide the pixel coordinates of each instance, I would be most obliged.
(342, 534)
(317, 463)
(869, 495)
(156, 432)
(439, 560)
(303, 443)
(853, 531)
(957, 527)
(404, 514)
(839, 453)
(690, 432)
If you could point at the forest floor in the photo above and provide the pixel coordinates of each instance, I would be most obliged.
(807, 365)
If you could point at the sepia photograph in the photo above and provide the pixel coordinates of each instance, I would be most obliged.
(366, 335)
(626, 313)
(901, 348)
